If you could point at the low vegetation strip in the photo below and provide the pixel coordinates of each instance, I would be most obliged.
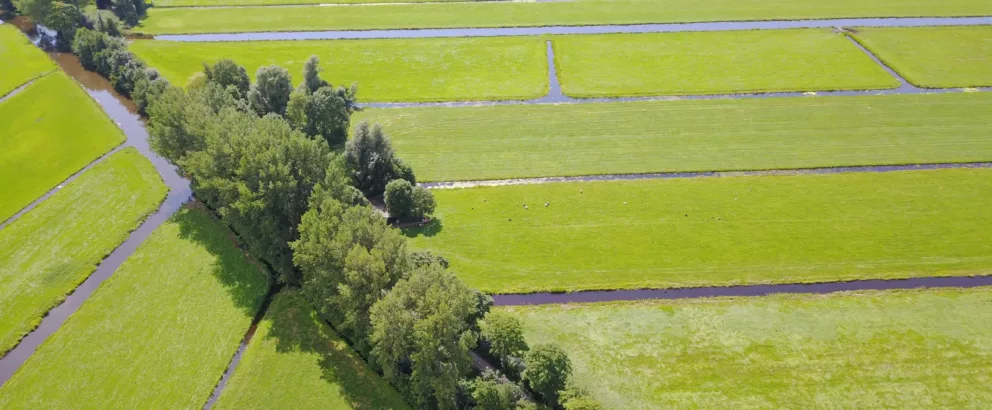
(48, 131)
(20, 61)
(385, 70)
(158, 334)
(295, 360)
(934, 57)
(715, 231)
(520, 14)
(869, 349)
(46, 253)
(497, 142)
(619, 65)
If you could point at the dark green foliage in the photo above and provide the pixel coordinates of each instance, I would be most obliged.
(574, 398)
(423, 325)
(227, 73)
(311, 76)
(125, 70)
(7, 6)
(258, 173)
(87, 44)
(349, 259)
(370, 157)
(492, 391)
(403, 171)
(423, 258)
(270, 92)
(548, 370)
(38, 10)
(64, 18)
(129, 11)
(505, 335)
(329, 114)
(148, 87)
(407, 202)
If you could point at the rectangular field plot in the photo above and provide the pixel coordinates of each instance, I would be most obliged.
(444, 144)
(385, 70)
(532, 13)
(158, 334)
(714, 63)
(934, 57)
(296, 361)
(48, 131)
(853, 350)
(715, 231)
(20, 61)
(46, 253)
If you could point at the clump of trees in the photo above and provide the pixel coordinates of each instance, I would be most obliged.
(65, 17)
(298, 202)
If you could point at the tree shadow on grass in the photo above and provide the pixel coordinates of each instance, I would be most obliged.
(246, 281)
(433, 228)
(296, 328)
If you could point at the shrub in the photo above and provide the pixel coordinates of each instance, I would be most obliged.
(548, 370)
(226, 73)
(407, 202)
(505, 334)
(271, 90)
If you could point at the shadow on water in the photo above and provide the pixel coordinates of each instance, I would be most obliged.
(432, 228)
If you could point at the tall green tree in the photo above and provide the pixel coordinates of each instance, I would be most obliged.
(423, 325)
(271, 90)
(228, 73)
(369, 154)
(505, 335)
(548, 370)
(311, 76)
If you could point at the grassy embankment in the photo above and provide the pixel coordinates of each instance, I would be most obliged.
(385, 70)
(20, 61)
(49, 251)
(444, 143)
(619, 65)
(157, 334)
(295, 360)
(935, 57)
(715, 231)
(903, 349)
(48, 131)
(517, 14)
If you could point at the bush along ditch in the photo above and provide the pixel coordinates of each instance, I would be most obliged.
(274, 163)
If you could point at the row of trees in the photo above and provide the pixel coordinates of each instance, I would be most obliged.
(272, 161)
(66, 16)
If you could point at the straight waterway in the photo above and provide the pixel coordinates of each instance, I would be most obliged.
(124, 114)
(600, 29)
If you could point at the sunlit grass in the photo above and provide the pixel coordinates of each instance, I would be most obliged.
(20, 61)
(935, 57)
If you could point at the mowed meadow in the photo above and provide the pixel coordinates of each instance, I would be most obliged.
(714, 231)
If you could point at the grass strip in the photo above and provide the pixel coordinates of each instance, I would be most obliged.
(295, 360)
(934, 57)
(20, 61)
(157, 334)
(49, 251)
(48, 131)
(899, 349)
(465, 143)
(385, 70)
(715, 231)
(522, 14)
(714, 63)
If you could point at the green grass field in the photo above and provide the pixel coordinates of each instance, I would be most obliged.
(385, 70)
(20, 61)
(714, 63)
(158, 334)
(216, 3)
(715, 231)
(444, 143)
(48, 131)
(902, 349)
(296, 361)
(46, 253)
(507, 14)
(935, 57)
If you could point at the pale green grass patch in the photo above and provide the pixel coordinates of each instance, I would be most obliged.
(935, 57)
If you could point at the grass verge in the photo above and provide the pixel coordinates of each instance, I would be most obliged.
(385, 70)
(522, 14)
(715, 231)
(443, 143)
(48, 131)
(20, 61)
(897, 349)
(714, 63)
(295, 360)
(49, 251)
(158, 334)
(934, 57)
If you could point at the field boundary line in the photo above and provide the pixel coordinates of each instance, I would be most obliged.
(704, 174)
